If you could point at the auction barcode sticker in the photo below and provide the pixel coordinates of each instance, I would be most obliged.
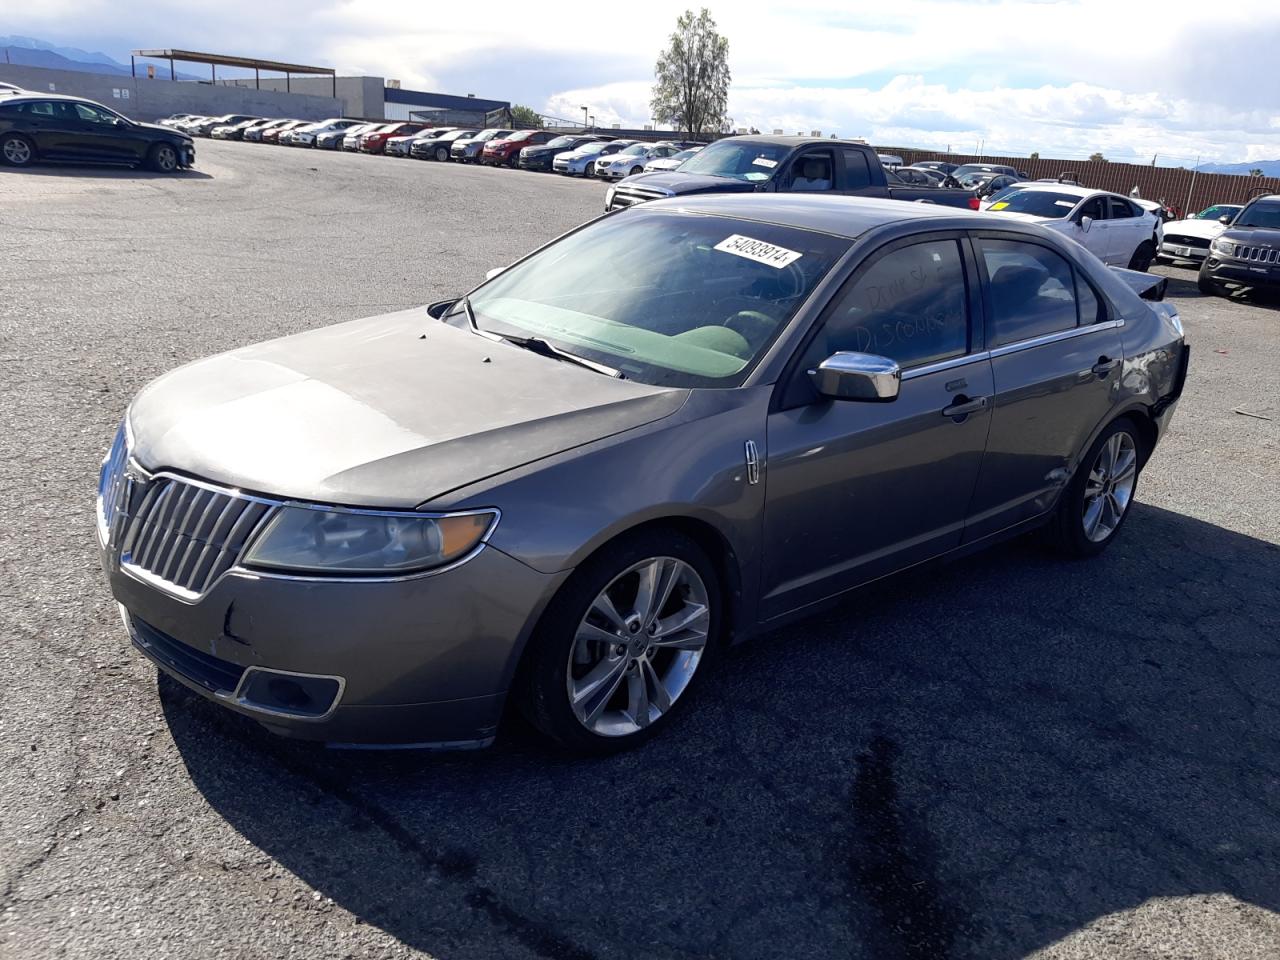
(758, 250)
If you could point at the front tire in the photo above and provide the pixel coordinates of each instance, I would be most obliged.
(163, 158)
(17, 150)
(1096, 503)
(623, 644)
(442, 154)
(1143, 257)
(1205, 282)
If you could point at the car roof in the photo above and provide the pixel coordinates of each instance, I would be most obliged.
(36, 95)
(840, 216)
(1081, 192)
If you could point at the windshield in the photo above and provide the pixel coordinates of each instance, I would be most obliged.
(1260, 213)
(634, 150)
(1216, 211)
(737, 159)
(684, 155)
(667, 297)
(1037, 203)
(587, 149)
(980, 168)
(562, 143)
(490, 134)
(1004, 194)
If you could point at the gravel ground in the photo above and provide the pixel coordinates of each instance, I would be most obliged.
(1006, 757)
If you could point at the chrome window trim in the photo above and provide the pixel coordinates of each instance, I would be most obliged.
(275, 504)
(1071, 333)
(938, 365)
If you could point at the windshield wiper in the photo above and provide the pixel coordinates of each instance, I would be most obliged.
(538, 345)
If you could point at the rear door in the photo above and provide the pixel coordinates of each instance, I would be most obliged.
(1055, 358)
(1129, 230)
(856, 489)
(51, 125)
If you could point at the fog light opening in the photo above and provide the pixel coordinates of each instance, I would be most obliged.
(280, 693)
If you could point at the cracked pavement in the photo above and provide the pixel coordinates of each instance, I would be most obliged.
(1010, 756)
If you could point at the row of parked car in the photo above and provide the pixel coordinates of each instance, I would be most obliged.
(585, 155)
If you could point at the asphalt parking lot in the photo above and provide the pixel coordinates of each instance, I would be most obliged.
(1005, 757)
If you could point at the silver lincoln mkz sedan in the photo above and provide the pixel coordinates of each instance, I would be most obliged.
(669, 429)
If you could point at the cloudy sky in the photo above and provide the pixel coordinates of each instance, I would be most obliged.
(1061, 77)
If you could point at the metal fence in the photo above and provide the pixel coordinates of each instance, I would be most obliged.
(1187, 190)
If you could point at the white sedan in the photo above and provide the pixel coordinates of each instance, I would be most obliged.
(633, 159)
(1116, 230)
(670, 163)
(1189, 239)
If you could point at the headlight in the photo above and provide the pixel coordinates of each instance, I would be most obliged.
(1223, 248)
(332, 541)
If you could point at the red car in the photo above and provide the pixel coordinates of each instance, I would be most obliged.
(375, 141)
(507, 151)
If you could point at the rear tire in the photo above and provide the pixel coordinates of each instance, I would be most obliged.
(1143, 257)
(163, 158)
(17, 150)
(1096, 502)
(666, 662)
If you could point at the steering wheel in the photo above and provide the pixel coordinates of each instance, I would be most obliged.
(753, 326)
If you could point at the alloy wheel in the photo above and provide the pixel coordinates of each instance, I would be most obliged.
(1109, 486)
(17, 151)
(166, 159)
(638, 646)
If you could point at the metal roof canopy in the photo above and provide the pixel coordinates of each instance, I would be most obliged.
(215, 60)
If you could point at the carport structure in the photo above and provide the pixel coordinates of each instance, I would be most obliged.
(215, 60)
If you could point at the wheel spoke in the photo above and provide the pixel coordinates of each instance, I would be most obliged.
(657, 692)
(638, 699)
(656, 581)
(670, 630)
(1126, 466)
(594, 691)
(589, 631)
(604, 607)
(1092, 514)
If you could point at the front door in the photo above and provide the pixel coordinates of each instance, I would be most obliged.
(104, 136)
(1097, 239)
(856, 489)
(1056, 358)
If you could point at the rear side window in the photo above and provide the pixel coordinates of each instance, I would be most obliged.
(911, 305)
(857, 173)
(40, 108)
(1031, 291)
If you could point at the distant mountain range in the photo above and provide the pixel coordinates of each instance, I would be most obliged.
(30, 52)
(1269, 168)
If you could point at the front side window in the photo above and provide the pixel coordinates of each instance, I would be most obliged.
(1031, 291)
(1095, 208)
(910, 305)
(665, 296)
(812, 172)
(90, 114)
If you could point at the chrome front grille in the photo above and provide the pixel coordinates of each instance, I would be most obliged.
(183, 536)
(626, 195)
(1182, 240)
(1257, 254)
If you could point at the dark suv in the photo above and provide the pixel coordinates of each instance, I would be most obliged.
(46, 126)
(1247, 253)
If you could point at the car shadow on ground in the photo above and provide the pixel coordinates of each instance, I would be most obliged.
(971, 761)
(1184, 287)
(100, 172)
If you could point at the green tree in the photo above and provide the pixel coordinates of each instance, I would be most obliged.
(1097, 158)
(691, 78)
(1255, 172)
(525, 118)
(1034, 156)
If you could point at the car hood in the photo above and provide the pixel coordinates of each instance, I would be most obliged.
(1254, 236)
(390, 411)
(675, 183)
(1205, 229)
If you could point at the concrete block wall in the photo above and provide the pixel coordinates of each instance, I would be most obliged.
(149, 100)
(361, 96)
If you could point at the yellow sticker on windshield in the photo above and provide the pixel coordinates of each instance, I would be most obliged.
(1000, 206)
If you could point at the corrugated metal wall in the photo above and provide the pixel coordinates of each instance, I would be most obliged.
(1155, 183)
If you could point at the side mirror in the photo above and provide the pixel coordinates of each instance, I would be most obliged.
(1225, 220)
(490, 274)
(1085, 223)
(857, 376)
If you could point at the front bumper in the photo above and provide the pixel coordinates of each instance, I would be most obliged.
(187, 155)
(536, 163)
(1258, 275)
(422, 661)
(1182, 251)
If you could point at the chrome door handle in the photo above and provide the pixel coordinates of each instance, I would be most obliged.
(1104, 366)
(964, 406)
